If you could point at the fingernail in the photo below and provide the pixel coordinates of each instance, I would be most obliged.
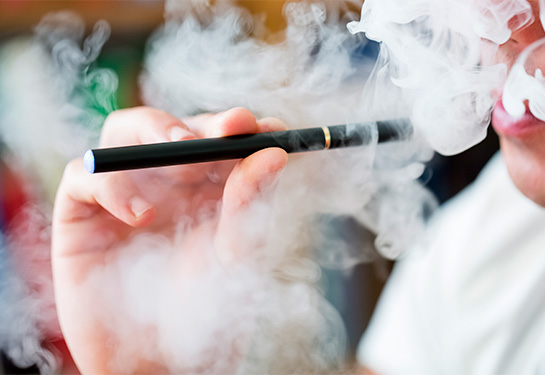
(216, 133)
(176, 133)
(139, 206)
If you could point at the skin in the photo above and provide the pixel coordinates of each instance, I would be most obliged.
(524, 153)
(95, 214)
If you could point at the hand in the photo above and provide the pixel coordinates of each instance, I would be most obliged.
(95, 215)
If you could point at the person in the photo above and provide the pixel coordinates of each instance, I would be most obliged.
(468, 300)
(415, 322)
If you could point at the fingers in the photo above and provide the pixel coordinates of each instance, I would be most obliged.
(232, 122)
(120, 195)
(249, 179)
(142, 125)
(270, 124)
(250, 176)
(93, 212)
(80, 194)
(117, 192)
(148, 125)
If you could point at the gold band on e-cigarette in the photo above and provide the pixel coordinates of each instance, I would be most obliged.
(327, 136)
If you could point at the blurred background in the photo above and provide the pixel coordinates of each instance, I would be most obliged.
(30, 169)
(28, 181)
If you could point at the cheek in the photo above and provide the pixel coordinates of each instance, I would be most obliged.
(507, 54)
(526, 165)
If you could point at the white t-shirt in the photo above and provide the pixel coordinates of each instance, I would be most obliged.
(472, 301)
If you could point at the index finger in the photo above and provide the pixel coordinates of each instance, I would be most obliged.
(238, 121)
(142, 125)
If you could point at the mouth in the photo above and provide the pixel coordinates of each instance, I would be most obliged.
(525, 126)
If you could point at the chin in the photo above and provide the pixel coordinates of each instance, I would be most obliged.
(525, 163)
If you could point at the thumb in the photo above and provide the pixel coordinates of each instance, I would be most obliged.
(250, 178)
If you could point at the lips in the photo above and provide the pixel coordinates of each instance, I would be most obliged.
(526, 126)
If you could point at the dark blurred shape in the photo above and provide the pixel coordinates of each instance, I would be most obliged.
(353, 286)
(10, 368)
(447, 176)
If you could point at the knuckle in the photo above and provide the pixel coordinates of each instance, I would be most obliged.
(111, 191)
(110, 183)
(141, 124)
(241, 111)
(120, 117)
(111, 122)
(155, 119)
(272, 123)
